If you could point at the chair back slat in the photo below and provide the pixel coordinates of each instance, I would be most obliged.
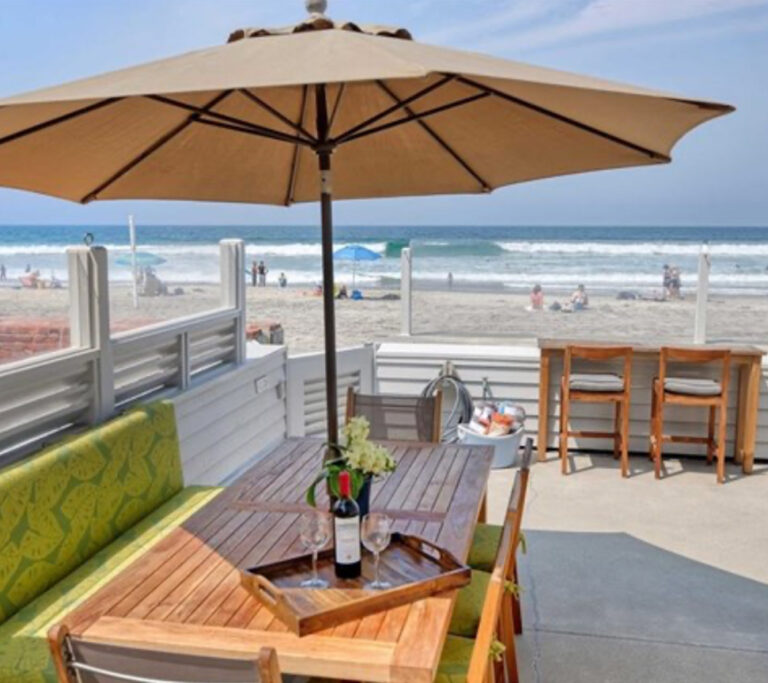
(503, 570)
(79, 661)
(398, 418)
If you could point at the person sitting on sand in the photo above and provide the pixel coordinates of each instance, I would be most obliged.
(579, 299)
(343, 294)
(537, 298)
(282, 280)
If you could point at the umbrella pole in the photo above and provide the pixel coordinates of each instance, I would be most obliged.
(326, 207)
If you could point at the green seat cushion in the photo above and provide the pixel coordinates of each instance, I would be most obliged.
(485, 546)
(454, 660)
(469, 606)
(61, 506)
(24, 653)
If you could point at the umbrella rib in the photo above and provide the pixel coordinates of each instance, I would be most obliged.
(336, 105)
(268, 134)
(58, 119)
(149, 151)
(345, 136)
(296, 149)
(277, 114)
(565, 119)
(439, 140)
(417, 116)
(234, 123)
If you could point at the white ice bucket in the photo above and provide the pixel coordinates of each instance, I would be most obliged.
(506, 448)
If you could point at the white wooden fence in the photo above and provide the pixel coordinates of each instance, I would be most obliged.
(513, 374)
(306, 387)
(100, 375)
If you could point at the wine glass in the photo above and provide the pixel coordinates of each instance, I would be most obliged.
(376, 535)
(315, 530)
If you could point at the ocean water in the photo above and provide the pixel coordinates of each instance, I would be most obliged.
(605, 259)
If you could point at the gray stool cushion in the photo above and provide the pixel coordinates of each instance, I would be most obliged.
(597, 382)
(691, 386)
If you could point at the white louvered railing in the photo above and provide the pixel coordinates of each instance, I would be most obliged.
(305, 379)
(44, 396)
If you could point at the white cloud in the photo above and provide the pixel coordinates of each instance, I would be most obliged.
(528, 24)
(603, 17)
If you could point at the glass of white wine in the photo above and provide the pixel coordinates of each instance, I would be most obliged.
(376, 533)
(315, 530)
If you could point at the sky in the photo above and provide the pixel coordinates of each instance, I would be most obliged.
(713, 49)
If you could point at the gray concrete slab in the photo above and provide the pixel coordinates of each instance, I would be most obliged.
(639, 579)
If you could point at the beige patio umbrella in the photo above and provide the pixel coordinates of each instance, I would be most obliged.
(260, 119)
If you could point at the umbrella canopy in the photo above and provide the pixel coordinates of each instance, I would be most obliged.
(256, 119)
(356, 252)
(143, 259)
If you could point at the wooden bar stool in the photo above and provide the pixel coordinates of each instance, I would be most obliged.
(597, 388)
(686, 391)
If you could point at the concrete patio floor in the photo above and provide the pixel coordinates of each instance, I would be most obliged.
(642, 580)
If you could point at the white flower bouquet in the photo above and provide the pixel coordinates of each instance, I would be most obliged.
(362, 458)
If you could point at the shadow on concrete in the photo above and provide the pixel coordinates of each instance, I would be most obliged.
(617, 585)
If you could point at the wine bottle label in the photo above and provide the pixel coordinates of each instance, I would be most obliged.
(347, 540)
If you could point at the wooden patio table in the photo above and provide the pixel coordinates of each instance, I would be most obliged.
(747, 360)
(184, 593)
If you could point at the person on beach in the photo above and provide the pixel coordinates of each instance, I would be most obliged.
(3, 274)
(667, 280)
(262, 274)
(282, 280)
(450, 280)
(343, 294)
(537, 298)
(579, 299)
(674, 283)
(254, 273)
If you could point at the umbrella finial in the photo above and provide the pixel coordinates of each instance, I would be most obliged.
(316, 6)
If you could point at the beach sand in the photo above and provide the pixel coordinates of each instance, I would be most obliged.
(477, 317)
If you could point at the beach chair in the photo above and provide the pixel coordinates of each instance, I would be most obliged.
(398, 418)
(78, 661)
(597, 388)
(479, 608)
(687, 391)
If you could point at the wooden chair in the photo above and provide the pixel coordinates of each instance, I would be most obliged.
(597, 388)
(686, 391)
(399, 418)
(503, 618)
(78, 661)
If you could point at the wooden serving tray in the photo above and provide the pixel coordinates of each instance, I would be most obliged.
(415, 567)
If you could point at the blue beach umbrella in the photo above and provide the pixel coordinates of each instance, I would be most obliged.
(355, 253)
(143, 259)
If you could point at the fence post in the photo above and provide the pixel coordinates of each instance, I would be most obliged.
(89, 322)
(405, 292)
(233, 288)
(702, 294)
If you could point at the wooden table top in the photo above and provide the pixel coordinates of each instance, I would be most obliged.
(547, 344)
(184, 593)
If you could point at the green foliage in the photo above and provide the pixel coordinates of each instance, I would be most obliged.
(497, 651)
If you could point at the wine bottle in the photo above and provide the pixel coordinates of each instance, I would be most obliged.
(346, 530)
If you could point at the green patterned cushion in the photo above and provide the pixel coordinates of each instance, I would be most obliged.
(24, 653)
(61, 506)
(454, 660)
(469, 606)
(485, 546)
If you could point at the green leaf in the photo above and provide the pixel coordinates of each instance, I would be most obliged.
(497, 650)
(311, 495)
